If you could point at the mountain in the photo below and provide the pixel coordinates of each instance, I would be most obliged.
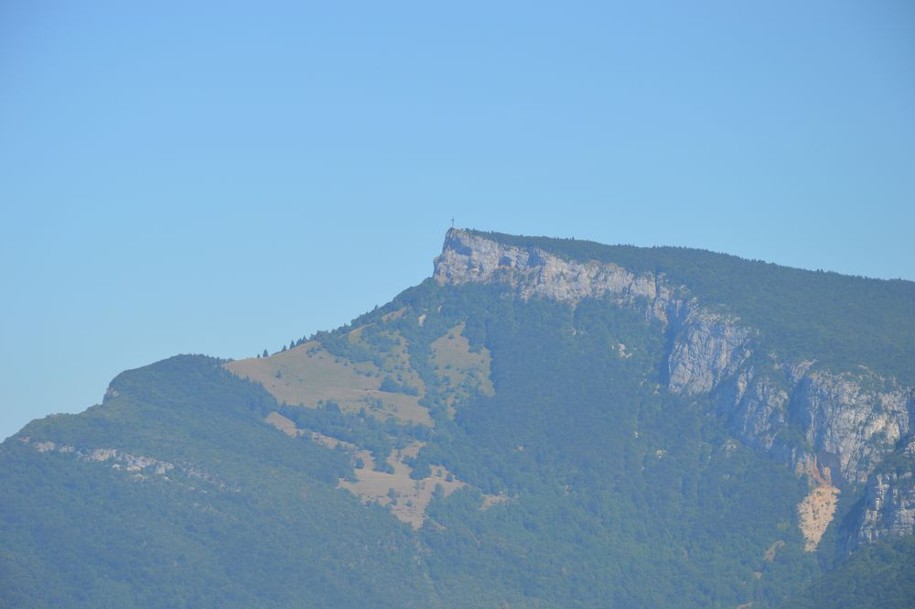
(542, 423)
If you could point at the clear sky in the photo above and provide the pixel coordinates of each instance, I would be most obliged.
(223, 177)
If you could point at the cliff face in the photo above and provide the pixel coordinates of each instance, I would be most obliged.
(889, 504)
(468, 258)
(833, 427)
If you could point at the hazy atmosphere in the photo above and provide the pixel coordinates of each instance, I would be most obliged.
(221, 178)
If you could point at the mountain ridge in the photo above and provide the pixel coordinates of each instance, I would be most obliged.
(525, 427)
(879, 307)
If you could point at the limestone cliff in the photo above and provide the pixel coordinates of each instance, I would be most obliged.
(833, 427)
(889, 502)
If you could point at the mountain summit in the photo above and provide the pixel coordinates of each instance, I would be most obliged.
(542, 423)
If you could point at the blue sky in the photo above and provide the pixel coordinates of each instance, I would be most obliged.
(221, 178)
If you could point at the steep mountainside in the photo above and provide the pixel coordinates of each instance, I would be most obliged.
(543, 423)
(834, 426)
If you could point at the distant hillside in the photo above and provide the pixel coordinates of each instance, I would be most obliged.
(543, 423)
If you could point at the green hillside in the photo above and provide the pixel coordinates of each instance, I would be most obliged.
(457, 447)
(253, 520)
(877, 576)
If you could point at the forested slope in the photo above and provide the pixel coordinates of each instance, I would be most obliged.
(460, 446)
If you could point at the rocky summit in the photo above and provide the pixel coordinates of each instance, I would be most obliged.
(542, 423)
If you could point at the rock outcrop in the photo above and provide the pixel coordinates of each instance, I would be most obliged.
(889, 502)
(470, 258)
(833, 427)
